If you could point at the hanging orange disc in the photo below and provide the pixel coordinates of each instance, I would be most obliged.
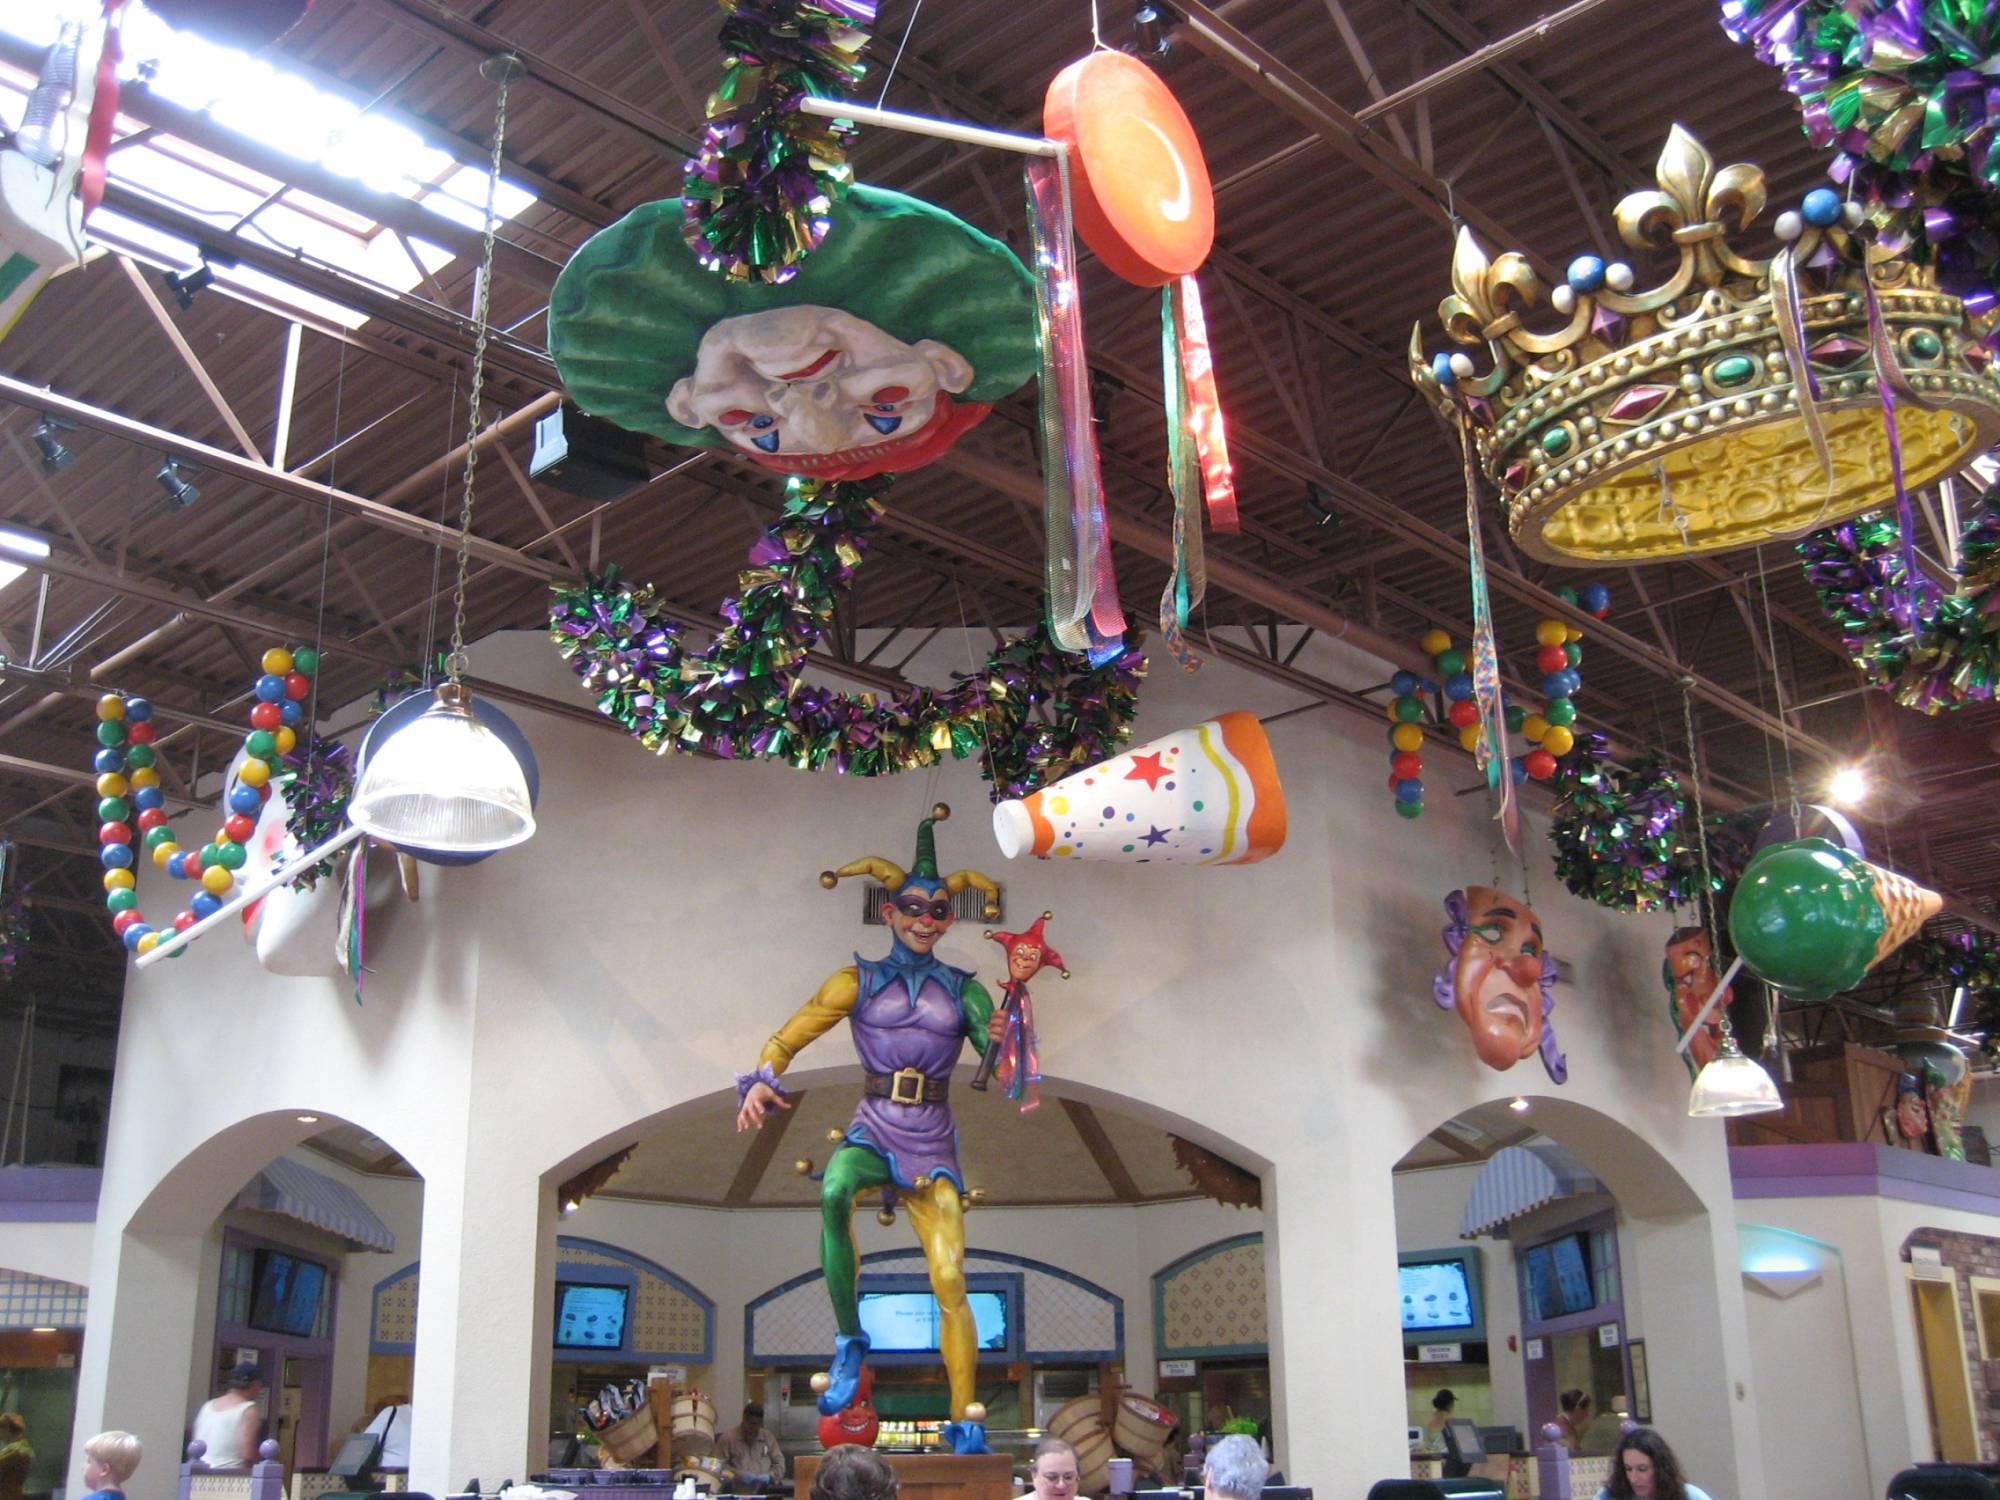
(1142, 195)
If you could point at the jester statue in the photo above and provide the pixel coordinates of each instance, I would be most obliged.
(911, 1015)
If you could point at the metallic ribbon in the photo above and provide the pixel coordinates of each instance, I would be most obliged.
(1020, 1066)
(1792, 334)
(103, 112)
(1084, 613)
(1490, 755)
(1188, 581)
(1889, 384)
(1218, 480)
(352, 918)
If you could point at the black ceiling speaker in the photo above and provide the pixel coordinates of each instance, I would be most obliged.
(587, 456)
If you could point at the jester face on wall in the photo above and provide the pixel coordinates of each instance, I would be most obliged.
(896, 336)
(1500, 981)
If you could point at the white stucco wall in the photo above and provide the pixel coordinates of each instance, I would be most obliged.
(559, 1000)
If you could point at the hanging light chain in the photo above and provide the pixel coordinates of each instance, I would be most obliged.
(503, 71)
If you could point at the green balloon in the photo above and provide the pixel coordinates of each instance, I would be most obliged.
(262, 744)
(122, 900)
(139, 756)
(1574, 651)
(1805, 918)
(1409, 809)
(1451, 661)
(207, 856)
(230, 856)
(1560, 711)
(1409, 710)
(1567, 595)
(158, 835)
(305, 661)
(113, 810)
(111, 733)
(1516, 717)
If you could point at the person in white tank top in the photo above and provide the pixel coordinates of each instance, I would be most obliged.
(231, 1424)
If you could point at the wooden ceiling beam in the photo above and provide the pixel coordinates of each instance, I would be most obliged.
(1097, 1141)
(756, 1161)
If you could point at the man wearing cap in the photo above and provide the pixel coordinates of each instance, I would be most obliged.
(749, 1448)
(911, 1015)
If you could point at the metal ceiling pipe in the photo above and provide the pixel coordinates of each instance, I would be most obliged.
(1481, 59)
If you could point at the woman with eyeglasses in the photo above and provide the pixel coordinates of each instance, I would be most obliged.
(1055, 1471)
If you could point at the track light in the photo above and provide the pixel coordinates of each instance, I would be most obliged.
(173, 479)
(1104, 389)
(1848, 785)
(1149, 30)
(184, 284)
(1319, 505)
(55, 457)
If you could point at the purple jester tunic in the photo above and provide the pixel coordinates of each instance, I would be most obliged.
(907, 1015)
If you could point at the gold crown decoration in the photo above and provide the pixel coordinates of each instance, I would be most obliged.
(1657, 423)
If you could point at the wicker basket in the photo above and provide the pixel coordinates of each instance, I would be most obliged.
(630, 1439)
(1080, 1423)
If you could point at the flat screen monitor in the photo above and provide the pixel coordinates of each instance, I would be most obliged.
(1463, 1442)
(356, 1458)
(590, 1315)
(907, 1322)
(285, 1293)
(1437, 1297)
(1441, 1296)
(1559, 1275)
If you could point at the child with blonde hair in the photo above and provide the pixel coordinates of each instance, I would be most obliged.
(108, 1461)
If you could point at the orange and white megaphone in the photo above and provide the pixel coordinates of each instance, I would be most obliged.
(1208, 794)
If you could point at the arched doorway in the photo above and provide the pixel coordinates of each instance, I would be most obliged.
(1080, 1201)
(1554, 1266)
(255, 1252)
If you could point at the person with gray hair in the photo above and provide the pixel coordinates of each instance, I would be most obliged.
(1236, 1468)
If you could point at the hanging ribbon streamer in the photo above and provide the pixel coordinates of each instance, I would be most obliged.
(1490, 754)
(1188, 581)
(1889, 384)
(1197, 376)
(1792, 334)
(1020, 1067)
(103, 111)
(352, 917)
(1084, 613)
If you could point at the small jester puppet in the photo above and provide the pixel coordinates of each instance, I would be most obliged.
(911, 1015)
(1017, 1055)
(1689, 971)
(1500, 979)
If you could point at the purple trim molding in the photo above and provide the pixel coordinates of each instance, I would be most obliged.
(1863, 1170)
(49, 1195)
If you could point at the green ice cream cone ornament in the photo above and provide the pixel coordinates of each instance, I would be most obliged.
(1810, 918)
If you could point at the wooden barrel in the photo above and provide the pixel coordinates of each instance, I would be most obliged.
(630, 1439)
(693, 1425)
(1080, 1423)
(1140, 1426)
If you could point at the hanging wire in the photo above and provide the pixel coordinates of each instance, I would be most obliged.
(1707, 901)
(503, 70)
(889, 77)
(1784, 720)
(428, 649)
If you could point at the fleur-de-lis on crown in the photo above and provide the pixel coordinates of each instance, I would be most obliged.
(1489, 296)
(1694, 209)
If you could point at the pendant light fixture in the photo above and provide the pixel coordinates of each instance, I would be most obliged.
(447, 782)
(1730, 1084)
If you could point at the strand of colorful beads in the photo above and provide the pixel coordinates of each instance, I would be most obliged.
(132, 807)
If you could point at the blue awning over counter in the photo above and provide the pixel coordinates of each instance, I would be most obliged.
(298, 1192)
(1518, 1180)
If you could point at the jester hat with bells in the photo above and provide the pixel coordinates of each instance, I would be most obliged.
(1012, 942)
(923, 872)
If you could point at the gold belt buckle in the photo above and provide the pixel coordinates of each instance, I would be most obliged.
(911, 1076)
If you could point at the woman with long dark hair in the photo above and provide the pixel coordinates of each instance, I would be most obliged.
(1643, 1467)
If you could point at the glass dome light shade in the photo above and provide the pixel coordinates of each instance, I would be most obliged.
(445, 783)
(1733, 1085)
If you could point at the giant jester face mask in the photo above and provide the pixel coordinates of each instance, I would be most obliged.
(895, 336)
(1500, 979)
(820, 392)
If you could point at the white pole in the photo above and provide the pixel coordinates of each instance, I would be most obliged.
(1714, 999)
(944, 130)
(251, 890)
